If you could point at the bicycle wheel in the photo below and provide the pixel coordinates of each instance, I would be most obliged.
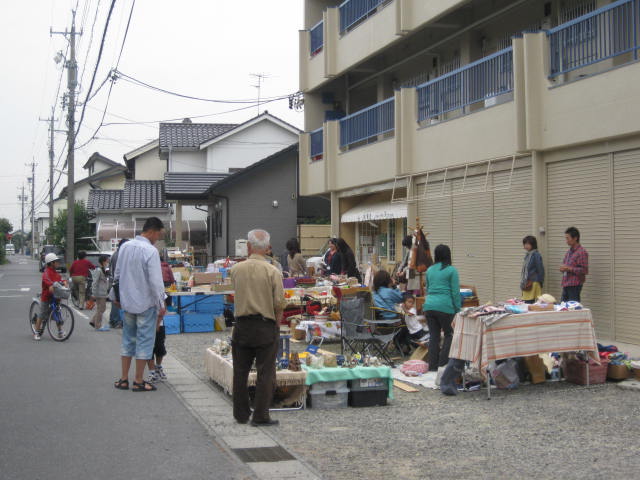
(34, 310)
(61, 323)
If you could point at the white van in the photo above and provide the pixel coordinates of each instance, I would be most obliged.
(10, 249)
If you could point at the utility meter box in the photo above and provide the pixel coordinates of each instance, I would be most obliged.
(241, 248)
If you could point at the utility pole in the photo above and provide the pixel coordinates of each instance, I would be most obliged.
(32, 181)
(22, 198)
(51, 119)
(72, 80)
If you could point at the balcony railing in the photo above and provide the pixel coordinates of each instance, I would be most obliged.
(316, 149)
(604, 33)
(368, 123)
(316, 38)
(483, 79)
(352, 11)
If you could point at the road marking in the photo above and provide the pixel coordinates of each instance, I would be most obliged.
(25, 289)
(12, 296)
(79, 312)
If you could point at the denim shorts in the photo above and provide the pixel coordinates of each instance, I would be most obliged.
(139, 334)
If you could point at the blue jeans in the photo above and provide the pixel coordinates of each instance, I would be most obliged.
(114, 316)
(139, 334)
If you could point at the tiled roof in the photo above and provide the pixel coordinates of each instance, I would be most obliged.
(179, 185)
(96, 156)
(190, 135)
(104, 200)
(143, 194)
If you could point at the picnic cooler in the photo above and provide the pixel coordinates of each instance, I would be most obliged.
(368, 392)
(329, 395)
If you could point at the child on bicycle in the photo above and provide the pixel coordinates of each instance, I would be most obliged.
(49, 277)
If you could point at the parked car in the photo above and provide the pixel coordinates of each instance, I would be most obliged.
(53, 249)
(10, 249)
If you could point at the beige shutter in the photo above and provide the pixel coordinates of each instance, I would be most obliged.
(626, 173)
(511, 223)
(579, 194)
(435, 214)
(472, 245)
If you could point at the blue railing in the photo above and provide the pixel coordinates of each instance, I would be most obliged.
(352, 11)
(604, 33)
(317, 38)
(485, 78)
(316, 149)
(368, 123)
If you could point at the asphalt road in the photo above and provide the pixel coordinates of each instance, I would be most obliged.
(61, 418)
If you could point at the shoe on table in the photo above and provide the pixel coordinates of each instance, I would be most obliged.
(36, 336)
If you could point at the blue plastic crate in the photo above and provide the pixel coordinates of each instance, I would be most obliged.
(171, 324)
(210, 304)
(197, 322)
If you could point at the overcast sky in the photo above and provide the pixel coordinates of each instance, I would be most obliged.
(202, 48)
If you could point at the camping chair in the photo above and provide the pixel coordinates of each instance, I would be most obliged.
(360, 335)
(396, 324)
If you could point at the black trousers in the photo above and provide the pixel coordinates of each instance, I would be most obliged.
(571, 293)
(254, 337)
(439, 322)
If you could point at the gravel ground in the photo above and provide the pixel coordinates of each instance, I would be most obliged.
(555, 430)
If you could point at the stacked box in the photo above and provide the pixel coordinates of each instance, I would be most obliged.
(171, 324)
(193, 322)
(329, 395)
(210, 304)
(369, 392)
(575, 371)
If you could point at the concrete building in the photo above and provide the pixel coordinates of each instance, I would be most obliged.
(488, 120)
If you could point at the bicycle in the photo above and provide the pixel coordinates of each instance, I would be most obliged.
(60, 314)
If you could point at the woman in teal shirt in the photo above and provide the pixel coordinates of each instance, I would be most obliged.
(442, 302)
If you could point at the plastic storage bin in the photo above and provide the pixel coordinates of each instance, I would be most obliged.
(369, 392)
(329, 398)
(197, 322)
(171, 324)
(209, 304)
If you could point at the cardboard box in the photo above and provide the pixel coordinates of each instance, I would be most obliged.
(617, 372)
(222, 287)
(201, 278)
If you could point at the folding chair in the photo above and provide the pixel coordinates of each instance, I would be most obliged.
(360, 335)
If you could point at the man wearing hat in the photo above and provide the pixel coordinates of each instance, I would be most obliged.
(49, 277)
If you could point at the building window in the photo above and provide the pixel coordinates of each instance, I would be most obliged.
(391, 251)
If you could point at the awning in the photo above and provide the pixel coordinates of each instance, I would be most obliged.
(372, 211)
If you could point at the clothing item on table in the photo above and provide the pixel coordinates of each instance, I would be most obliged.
(577, 259)
(139, 275)
(167, 273)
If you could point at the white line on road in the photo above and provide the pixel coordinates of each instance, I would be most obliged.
(25, 289)
(79, 312)
(12, 296)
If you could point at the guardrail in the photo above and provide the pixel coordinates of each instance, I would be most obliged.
(367, 123)
(352, 11)
(480, 80)
(604, 33)
(316, 148)
(316, 41)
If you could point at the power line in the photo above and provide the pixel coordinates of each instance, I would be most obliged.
(135, 81)
(95, 70)
(93, 26)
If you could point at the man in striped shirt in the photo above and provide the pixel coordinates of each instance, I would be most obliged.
(575, 266)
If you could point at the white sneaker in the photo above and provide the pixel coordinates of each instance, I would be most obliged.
(36, 336)
(153, 377)
(160, 373)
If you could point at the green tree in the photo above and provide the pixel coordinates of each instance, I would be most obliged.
(83, 228)
(5, 227)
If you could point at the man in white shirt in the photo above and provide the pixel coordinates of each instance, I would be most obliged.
(141, 290)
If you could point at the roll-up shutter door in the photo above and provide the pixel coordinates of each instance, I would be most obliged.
(626, 174)
(511, 223)
(579, 194)
(472, 245)
(435, 214)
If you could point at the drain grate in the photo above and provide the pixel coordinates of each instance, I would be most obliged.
(263, 454)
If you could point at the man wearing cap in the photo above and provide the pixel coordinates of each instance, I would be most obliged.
(49, 277)
(259, 302)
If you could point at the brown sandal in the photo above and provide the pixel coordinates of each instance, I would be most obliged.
(143, 387)
(122, 384)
